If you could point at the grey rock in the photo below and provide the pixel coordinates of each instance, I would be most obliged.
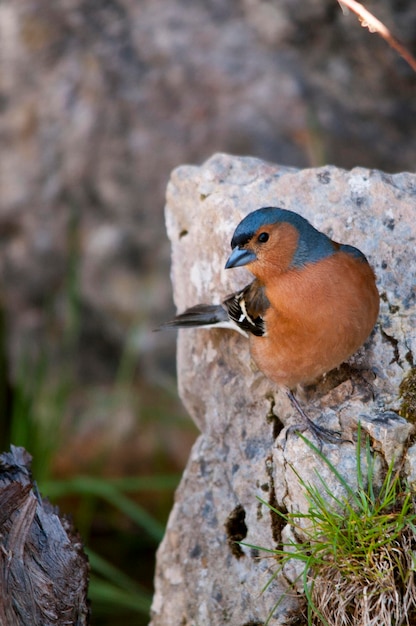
(244, 453)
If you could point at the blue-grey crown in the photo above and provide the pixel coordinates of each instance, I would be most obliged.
(312, 244)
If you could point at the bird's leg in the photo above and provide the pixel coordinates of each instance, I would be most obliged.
(320, 433)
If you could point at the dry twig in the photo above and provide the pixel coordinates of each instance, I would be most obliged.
(374, 25)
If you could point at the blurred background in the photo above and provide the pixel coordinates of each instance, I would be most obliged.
(99, 100)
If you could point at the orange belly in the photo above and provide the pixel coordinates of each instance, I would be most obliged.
(318, 318)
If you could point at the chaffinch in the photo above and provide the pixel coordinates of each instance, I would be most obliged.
(312, 304)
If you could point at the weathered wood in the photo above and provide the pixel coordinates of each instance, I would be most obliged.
(43, 569)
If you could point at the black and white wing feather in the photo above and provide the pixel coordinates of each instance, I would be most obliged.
(242, 311)
(247, 308)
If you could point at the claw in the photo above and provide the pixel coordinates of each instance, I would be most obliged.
(321, 433)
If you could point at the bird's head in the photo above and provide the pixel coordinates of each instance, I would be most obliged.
(275, 240)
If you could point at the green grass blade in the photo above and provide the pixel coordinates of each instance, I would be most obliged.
(101, 488)
(113, 574)
(107, 595)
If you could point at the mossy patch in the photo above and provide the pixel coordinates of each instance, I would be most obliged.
(407, 391)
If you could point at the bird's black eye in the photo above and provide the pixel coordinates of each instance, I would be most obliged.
(263, 237)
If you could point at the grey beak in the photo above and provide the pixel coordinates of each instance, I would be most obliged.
(240, 256)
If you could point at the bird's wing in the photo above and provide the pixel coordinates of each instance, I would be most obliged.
(199, 315)
(247, 308)
(242, 311)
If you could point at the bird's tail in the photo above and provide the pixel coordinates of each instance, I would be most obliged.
(200, 315)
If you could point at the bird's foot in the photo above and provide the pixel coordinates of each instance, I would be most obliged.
(321, 433)
(324, 434)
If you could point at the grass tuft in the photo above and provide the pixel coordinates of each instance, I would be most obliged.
(358, 550)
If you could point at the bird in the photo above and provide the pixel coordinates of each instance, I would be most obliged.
(313, 301)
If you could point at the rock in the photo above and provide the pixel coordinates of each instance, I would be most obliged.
(203, 576)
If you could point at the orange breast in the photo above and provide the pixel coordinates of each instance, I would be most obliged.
(319, 316)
